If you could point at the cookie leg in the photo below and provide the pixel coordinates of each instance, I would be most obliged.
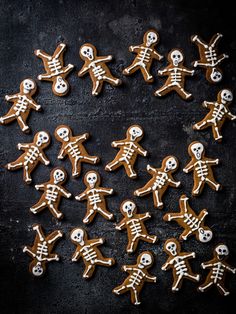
(185, 234)
(26, 174)
(182, 93)
(90, 214)
(54, 236)
(143, 191)
(89, 270)
(216, 133)
(201, 125)
(197, 188)
(130, 171)
(213, 184)
(55, 212)
(9, 117)
(177, 283)
(149, 238)
(22, 123)
(39, 206)
(134, 296)
(114, 164)
(206, 285)
(120, 289)
(157, 199)
(105, 261)
(105, 213)
(90, 159)
(132, 245)
(97, 87)
(165, 89)
(146, 75)
(194, 277)
(131, 69)
(112, 80)
(76, 167)
(15, 164)
(222, 289)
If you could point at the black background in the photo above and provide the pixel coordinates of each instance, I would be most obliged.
(112, 26)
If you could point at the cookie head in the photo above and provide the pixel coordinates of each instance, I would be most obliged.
(36, 269)
(196, 150)
(134, 133)
(204, 234)
(63, 133)
(221, 252)
(170, 164)
(172, 247)
(128, 208)
(87, 52)
(60, 86)
(58, 175)
(92, 179)
(226, 96)
(28, 86)
(78, 236)
(176, 57)
(42, 139)
(150, 38)
(215, 74)
(145, 260)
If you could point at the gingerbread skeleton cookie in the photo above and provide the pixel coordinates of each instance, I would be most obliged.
(52, 193)
(74, 148)
(88, 250)
(192, 223)
(129, 149)
(179, 263)
(56, 72)
(95, 197)
(218, 113)
(33, 154)
(23, 103)
(138, 275)
(145, 54)
(97, 68)
(134, 223)
(209, 57)
(218, 267)
(176, 73)
(41, 251)
(161, 180)
(201, 167)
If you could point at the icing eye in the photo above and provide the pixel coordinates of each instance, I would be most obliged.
(94, 178)
(126, 207)
(58, 86)
(199, 147)
(174, 56)
(130, 204)
(63, 85)
(194, 149)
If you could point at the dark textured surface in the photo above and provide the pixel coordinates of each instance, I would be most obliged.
(111, 26)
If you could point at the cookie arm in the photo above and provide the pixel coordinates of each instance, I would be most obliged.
(118, 143)
(208, 264)
(11, 98)
(189, 167)
(105, 190)
(134, 48)
(163, 72)
(23, 146)
(62, 153)
(121, 225)
(64, 192)
(141, 151)
(230, 116)
(230, 269)
(157, 56)
(41, 187)
(212, 161)
(44, 159)
(189, 255)
(150, 278)
(104, 58)
(127, 268)
(81, 138)
(144, 216)
(165, 266)
(207, 104)
(96, 242)
(81, 197)
(76, 256)
(83, 70)
(172, 182)
(187, 71)
(151, 170)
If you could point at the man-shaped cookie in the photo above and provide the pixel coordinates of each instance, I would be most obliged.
(33, 154)
(218, 114)
(138, 275)
(95, 197)
(145, 54)
(23, 103)
(192, 223)
(129, 149)
(88, 250)
(97, 68)
(218, 267)
(41, 251)
(176, 73)
(201, 167)
(74, 148)
(209, 58)
(179, 263)
(52, 193)
(161, 180)
(56, 72)
(134, 223)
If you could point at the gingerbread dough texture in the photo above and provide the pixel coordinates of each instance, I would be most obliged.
(88, 250)
(192, 223)
(218, 114)
(97, 68)
(209, 57)
(160, 181)
(56, 72)
(23, 103)
(33, 154)
(179, 263)
(134, 223)
(176, 72)
(201, 167)
(218, 268)
(129, 149)
(72, 146)
(146, 53)
(138, 275)
(41, 251)
(95, 195)
(52, 193)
